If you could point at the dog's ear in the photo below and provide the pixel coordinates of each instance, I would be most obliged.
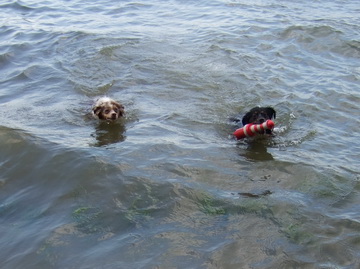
(120, 107)
(246, 118)
(271, 112)
(97, 111)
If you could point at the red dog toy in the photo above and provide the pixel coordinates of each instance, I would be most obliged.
(253, 129)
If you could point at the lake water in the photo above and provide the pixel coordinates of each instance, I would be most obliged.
(168, 186)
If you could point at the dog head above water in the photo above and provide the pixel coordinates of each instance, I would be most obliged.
(258, 115)
(106, 108)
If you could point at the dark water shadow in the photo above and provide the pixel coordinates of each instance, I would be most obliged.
(107, 133)
(256, 150)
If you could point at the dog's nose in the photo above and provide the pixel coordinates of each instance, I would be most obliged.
(261, 120)
(113, 116)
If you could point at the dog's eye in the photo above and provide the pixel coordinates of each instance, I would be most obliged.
(116, 110)
(107, 111)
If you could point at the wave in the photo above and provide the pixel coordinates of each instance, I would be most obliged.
(322, 38)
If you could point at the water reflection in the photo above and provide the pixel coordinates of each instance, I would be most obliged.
(257, 151)
(107, 133)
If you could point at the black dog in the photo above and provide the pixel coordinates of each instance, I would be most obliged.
(258, 115)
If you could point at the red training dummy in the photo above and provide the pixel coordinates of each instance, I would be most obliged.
(253, 129)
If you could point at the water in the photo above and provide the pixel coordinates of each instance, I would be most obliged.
(168, 187)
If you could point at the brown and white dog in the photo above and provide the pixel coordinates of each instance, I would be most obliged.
(106, 108)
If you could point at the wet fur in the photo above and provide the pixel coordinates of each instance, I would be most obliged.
(258, 115)
(106, 108)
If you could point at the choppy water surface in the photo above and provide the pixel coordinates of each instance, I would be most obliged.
(168, 187)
